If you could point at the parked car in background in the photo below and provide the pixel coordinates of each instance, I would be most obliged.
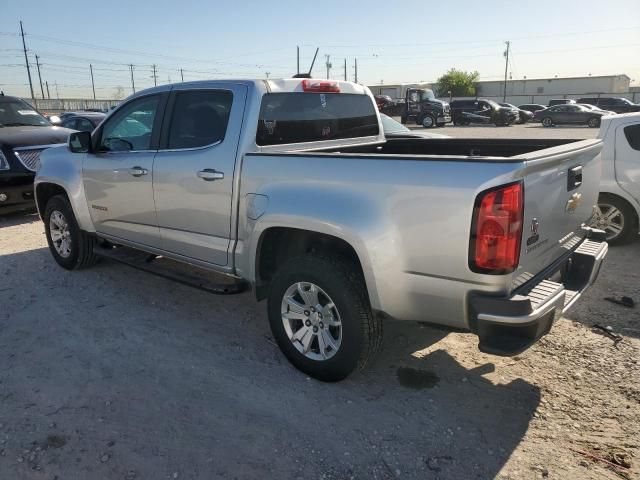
(569, 114)
(394, 129)
(83, 121)
(560, 101)
(422, 106)
(291, 186)
(595, 109)
(24, 134)
(613, 104)
(523, 115)
(482, 111)
(619, 201)
(531, 107)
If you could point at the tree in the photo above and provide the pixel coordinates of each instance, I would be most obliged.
(458, 82)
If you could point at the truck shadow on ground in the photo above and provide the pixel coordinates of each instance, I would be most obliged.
(156, 377)
(19, 218)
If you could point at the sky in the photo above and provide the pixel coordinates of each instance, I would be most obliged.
(393, 41)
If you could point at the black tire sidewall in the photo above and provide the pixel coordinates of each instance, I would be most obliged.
(61, 204)
(549, 124)
(433, 121)
(344, 295)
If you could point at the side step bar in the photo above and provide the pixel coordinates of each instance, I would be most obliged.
(170, 269)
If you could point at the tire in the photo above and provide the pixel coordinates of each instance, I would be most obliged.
(593, 122)
(403, 120)
(79, 253)
(625, 221)
(547, 122)
(428, 121)
(337, 282)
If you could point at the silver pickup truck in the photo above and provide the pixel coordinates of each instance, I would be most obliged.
(290, 186)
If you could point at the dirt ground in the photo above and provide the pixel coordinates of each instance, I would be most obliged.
(111, 373)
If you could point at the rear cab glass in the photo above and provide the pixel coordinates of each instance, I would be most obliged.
(298, 117)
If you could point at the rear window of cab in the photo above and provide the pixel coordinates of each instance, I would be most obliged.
(299, 117)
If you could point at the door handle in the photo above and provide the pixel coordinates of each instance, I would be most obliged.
(209, 175)
(138, 171)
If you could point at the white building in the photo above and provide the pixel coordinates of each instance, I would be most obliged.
(540, 90)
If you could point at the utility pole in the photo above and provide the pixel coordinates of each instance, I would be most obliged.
(345, 69)
(155, 77)
(298, 59)
(181, 75)
(355, 63)
(57, 91)
(48, 94)
(267, 74)
(93, 85)
(26, 59)
(39, 76)
(506, 66)
(133, 84)
(328, 65)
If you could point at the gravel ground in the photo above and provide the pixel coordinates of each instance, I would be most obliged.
(529, 130)
(112, 373)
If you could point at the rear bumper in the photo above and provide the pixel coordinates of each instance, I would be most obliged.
(508, 326)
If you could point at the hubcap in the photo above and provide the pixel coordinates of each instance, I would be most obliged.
(312, 321)
(60, 234)
(427, 121)
(610, 219)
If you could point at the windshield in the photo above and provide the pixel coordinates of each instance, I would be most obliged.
(427, 95)
(19, 113)
(492, 103)
(390, 126)
(310, 117)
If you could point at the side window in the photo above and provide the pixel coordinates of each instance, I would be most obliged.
(129, 129)
(632, 132)
(199, 118)
(84, 125)
(70, 123)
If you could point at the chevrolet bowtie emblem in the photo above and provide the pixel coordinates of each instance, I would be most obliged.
(574, 202)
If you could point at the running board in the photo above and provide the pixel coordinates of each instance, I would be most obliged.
(172, 270)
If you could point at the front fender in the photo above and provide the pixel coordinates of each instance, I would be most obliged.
(355, 219)
(58, 166)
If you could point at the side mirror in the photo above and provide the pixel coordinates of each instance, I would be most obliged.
(55, 120)
(80, 142)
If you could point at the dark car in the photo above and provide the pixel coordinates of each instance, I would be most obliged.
(531, 107)
(613, 104)
(523, 115)
(83, 121)
(560, 101)
(570, 114)
(478, 110)
(24, 133)
(422, 105)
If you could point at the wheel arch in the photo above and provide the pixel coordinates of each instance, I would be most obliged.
(277, 243)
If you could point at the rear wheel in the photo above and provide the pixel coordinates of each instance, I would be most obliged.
(321, 319)
(71, 247)
(403, 120)
(616, 217)
(594, 122)
(547, 122)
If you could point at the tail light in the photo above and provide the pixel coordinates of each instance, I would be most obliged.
(322, 86)
(496, 230)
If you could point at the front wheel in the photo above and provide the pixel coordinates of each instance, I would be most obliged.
(71, 247)
(320, 317)
(547, 122)
(428, 121)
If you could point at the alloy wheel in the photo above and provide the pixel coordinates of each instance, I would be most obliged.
(610, 219)
(60, 233)
(311, 321)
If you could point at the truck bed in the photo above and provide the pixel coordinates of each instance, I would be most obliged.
(466, 147)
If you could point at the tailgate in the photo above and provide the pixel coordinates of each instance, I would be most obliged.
(561, 186)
